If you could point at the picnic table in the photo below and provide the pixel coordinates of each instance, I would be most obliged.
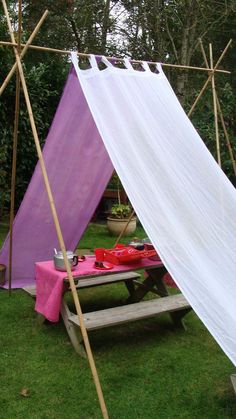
(52, 286)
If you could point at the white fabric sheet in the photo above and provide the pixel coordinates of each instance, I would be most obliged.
(182, 198)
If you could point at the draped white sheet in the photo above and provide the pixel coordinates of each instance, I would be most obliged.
(182, 198)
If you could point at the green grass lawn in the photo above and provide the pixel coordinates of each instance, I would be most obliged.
(147, 369)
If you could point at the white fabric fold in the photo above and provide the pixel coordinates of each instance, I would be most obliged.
(93, 61)
(159, 67)
(128, 64)
(106, 62)
(182, 198)
(145, 66)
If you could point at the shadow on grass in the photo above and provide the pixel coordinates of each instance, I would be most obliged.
(156, 329)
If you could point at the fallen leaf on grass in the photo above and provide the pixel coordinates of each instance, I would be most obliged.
(24, 392)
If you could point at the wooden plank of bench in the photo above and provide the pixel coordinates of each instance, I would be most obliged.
(93, 282)
(31, 290)
(132, 312)
(108, 279)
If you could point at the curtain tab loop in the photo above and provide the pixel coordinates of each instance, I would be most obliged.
(74, 56)
(75, 59)
(159, 68)
(145, 66)
(93, 61)
(106, 62)
(128, 64)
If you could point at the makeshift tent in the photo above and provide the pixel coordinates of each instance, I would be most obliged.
(183, 199)
(79, 169)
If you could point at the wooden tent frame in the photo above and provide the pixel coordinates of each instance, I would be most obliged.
(19, 51)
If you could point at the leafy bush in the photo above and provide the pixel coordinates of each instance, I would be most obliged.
(120, 211)
(203, 120)
(44, 90)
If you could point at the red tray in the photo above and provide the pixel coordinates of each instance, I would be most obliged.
(122, 254)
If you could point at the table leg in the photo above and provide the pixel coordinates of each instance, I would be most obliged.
(130, 287)
(155, 276)
(73, 332)
(150, 283)
(142, 289)
(177, 317)
(40, 319)
(233, 381)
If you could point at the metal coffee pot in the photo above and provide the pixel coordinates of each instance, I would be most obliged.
(59, 261)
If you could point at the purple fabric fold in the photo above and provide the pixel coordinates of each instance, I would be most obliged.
(78, 168)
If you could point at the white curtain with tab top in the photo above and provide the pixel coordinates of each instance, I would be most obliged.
(184, 201)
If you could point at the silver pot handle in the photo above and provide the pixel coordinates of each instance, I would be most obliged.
(75, 260)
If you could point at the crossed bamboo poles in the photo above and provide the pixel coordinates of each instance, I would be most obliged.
(217, 108)
(56, 221)
(20, 80)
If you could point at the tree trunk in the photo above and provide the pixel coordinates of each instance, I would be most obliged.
(187, 47)
(105, 25)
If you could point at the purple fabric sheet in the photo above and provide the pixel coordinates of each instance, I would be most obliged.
(78, 168)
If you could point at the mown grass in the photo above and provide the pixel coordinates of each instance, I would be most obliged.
(96, 235)
(147, 369)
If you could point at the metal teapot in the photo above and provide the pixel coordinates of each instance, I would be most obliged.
(59, 261)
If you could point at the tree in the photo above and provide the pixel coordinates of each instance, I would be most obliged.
(169, 30)
(153, 30)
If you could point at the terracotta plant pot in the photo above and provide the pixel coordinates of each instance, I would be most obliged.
(116, 225)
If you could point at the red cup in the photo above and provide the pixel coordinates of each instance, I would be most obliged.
(99, 254)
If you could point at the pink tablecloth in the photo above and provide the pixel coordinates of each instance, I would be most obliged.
(49, 282)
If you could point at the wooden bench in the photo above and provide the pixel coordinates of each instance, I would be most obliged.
(107, 279)
(93, 282)
(131, 312)
(135, 308)
(31, 290)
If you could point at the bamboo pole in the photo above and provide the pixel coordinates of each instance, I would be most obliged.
(209, 78)
(14, 151)
(56, 222)
(189, 67)
(81, 54)
(215, 108)
(32, 36)
(124, 229)
(203, 53)
(226, 136)
(221, 115)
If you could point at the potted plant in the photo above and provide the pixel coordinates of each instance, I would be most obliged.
(121, 219)
(121, 211)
